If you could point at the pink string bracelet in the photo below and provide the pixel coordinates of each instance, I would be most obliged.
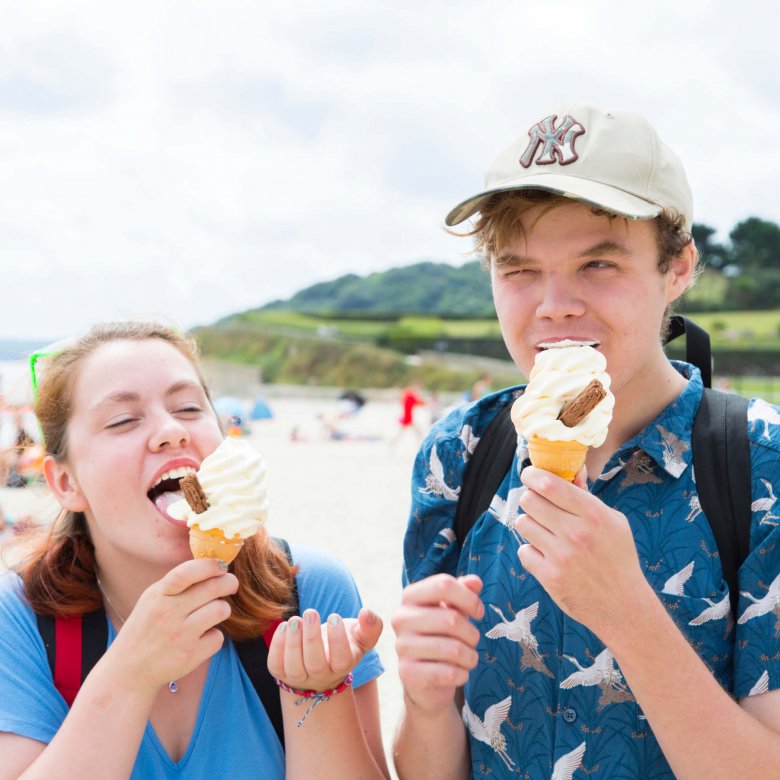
(315, 697)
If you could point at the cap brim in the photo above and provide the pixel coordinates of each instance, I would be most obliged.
(594, 193)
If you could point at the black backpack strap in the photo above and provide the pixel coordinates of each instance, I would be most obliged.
(697, 345)
(485, 471)
(253, 654)
(721, 462)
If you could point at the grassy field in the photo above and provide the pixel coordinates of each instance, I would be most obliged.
(736, 329)
(742, 328)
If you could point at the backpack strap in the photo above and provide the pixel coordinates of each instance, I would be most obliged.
(721, 463)
(253, 654)
(75, 643)
(697, 345)
(485, 471)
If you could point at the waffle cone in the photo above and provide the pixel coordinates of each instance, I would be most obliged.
(564, 458)
(213, 544)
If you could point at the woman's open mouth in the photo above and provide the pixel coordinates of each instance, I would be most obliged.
(166, 491)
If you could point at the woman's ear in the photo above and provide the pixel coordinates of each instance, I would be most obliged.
(680, 276)
(63, 484)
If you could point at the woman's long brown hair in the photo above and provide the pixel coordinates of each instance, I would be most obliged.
(60, 574)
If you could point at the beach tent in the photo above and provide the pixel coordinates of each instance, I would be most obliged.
(261, 410)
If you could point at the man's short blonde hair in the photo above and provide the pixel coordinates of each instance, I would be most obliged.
(499, 224)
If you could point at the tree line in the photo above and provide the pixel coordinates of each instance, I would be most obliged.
(746, 268)
(740, 273)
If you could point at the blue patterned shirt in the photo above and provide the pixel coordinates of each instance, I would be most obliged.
(547, 698)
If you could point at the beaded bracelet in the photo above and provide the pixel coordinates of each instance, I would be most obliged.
(314, 696)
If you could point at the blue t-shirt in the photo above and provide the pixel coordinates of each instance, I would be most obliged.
(533, 691)
(233, 736)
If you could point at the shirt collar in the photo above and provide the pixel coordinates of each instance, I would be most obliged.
(667, 438)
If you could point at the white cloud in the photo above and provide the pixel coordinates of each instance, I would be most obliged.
(194, 159)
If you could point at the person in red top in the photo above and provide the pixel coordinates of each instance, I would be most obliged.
(410, 398)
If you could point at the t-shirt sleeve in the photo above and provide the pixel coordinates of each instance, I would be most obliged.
(757, 648)
(30, 705)
(325, 584)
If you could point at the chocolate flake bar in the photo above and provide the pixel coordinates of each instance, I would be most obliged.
(193, 492)
(581, 406)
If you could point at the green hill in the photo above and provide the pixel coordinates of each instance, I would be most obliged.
(427, 288)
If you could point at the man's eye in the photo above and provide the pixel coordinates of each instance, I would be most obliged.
(598, 264)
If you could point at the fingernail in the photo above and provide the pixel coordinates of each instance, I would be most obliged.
(334, 620)
(294, 624)
(310, 616)
(481, 610)
(282, 628)
(222, 565)
(371, 617)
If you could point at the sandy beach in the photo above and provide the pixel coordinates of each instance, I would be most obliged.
(350, 498)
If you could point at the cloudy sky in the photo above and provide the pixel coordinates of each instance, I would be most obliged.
(187, 160)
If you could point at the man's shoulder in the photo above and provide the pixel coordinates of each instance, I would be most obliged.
(464, 425)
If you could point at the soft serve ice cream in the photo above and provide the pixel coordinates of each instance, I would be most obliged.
(226, 502)
(560, 375)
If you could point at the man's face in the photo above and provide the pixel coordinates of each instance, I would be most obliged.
(576, 275)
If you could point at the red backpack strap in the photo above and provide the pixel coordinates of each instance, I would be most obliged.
(74, 644)
(67, 664)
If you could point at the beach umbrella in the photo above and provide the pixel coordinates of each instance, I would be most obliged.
(227, 406)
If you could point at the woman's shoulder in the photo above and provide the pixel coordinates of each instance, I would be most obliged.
(324, 582)
(11, 591)
(314, 562)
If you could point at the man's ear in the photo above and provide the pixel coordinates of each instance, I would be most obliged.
(679, 277)
(63, 484)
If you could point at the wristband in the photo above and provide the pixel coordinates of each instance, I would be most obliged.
(315, 697)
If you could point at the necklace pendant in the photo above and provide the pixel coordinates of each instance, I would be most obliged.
(172, 687)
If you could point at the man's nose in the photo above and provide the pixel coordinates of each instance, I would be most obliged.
(559, 299)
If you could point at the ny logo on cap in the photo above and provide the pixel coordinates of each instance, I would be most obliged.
(556, 142)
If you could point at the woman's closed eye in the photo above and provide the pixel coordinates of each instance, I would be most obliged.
(189, 410)
(117, 423)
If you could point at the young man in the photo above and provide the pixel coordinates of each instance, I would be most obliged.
(583, 630)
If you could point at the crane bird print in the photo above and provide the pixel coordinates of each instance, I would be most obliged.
(489, 729)
(434, 482)
(567, 763)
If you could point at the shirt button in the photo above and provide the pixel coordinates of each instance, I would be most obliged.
(569, 715)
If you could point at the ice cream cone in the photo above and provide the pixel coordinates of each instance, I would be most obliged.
(213, 544)
(564, 458)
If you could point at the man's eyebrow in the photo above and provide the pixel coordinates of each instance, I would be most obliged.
(605, 248)
(512, 259)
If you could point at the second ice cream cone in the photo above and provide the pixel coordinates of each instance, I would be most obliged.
(564, 458)
(214, 544)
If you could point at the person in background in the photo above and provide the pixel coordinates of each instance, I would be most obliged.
(411, 398)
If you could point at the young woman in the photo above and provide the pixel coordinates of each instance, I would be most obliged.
(169, 697)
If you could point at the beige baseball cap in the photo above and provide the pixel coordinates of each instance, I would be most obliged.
(610, 159)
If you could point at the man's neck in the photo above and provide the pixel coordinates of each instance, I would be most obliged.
(636, 405)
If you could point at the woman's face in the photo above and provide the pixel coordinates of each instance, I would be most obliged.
(139, 413)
